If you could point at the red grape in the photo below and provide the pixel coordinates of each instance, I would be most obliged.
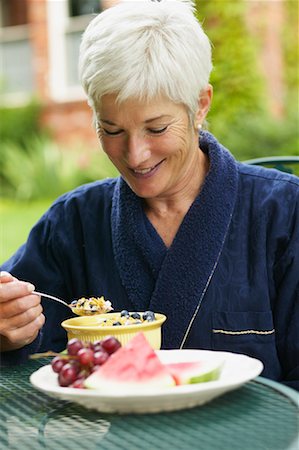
(73, 346)
(82, 359)
(85, 356)
(110, 344)
(67, 375)
(100, 357)
(57, 363)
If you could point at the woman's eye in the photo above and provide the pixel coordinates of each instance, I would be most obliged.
(111, 133)
(158, 130)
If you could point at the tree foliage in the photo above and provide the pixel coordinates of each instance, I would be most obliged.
(239, 116)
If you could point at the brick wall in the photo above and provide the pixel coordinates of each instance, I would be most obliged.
(70, 123)
(37, 17)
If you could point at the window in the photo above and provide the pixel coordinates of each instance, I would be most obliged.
(76, 25)
(13, 13)
(82, 7)
(67, 19)
(15, 50)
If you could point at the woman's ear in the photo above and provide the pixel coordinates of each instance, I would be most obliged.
(204, 103)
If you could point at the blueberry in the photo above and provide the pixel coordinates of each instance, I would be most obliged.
(124, 313)
(116, 324)
(135, 315)
(149, 316)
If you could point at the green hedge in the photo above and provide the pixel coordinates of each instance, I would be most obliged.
(18, 124)
(45, 170)
(239, 116)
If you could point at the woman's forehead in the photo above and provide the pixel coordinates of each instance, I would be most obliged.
(145, 110)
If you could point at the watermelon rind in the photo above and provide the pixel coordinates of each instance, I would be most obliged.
(209, 376)
(194, 372)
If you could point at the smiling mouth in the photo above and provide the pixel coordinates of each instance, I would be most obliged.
(146, 170)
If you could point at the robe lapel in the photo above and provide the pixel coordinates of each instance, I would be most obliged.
(137, 256)
(186, 267)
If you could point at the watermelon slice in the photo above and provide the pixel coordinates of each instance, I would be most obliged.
(134, 367)
(194, 372)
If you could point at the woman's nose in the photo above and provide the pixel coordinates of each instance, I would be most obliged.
(137, 151)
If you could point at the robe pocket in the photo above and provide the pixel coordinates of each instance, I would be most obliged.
(242, 332)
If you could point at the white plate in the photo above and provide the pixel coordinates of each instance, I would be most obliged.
(237, 370)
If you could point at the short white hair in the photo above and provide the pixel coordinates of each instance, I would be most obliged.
(143, 49)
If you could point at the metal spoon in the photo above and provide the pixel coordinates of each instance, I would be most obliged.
(77, 311)
(41, 294)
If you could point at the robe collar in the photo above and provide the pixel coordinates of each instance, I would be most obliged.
(173, 281)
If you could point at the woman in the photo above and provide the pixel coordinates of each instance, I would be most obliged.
(185, 230)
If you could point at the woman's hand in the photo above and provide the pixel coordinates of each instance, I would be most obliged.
(20, 313)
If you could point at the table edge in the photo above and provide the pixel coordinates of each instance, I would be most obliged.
(287, 391)
(283, 389)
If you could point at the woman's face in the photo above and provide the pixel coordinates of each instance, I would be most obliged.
(153, 145)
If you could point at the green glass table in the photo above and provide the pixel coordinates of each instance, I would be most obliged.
(261, 415)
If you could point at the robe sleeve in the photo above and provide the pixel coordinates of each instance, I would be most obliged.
(39, 261)
(286, 308)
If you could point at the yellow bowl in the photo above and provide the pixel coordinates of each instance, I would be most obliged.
(89, 329)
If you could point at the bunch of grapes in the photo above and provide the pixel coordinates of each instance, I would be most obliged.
(82, 359)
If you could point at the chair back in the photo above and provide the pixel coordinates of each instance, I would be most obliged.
(289, 164)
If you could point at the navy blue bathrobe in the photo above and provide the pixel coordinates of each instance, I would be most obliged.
(229, 281)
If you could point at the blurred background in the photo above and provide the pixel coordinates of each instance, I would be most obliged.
(48, 144)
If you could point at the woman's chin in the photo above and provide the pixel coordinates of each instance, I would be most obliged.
(144, 190)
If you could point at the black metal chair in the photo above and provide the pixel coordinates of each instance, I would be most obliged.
(289, 164)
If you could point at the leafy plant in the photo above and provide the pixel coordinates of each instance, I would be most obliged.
(239, 117)
(47, 171)
(238, 84)
(257, 136)
(20, 124)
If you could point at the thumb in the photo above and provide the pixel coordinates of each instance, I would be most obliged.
(6, 277)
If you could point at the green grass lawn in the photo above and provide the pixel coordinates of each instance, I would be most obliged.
(16, 220)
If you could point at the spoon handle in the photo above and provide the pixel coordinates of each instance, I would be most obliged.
(51, 297)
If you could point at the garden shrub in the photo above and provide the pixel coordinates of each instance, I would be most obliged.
(291, 52)
(259, 136)
(239, 117)
(47, 171)
(19, 124)
(33, 166)
(238, 85)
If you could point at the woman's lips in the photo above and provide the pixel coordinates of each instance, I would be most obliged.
(146, 172)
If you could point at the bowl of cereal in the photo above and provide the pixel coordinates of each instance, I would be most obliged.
(122, 325)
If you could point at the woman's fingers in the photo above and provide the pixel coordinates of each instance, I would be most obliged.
(13, 288)
(22, 319)
(5, 277)
(20, 313)
(18, 337)
(18, 306)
